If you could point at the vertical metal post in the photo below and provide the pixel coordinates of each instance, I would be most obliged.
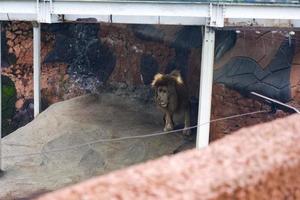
(0, 98)
(37, 67)
(206, 82)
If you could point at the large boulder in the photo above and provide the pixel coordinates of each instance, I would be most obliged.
(79, 121)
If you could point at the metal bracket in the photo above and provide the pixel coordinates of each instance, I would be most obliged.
(216, 15)
(61, 18)
(44, 9)
(35, 24)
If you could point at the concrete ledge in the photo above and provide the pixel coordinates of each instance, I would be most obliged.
(260, 162)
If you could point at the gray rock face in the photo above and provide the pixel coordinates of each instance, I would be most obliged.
(149, 67)
(79, 46)
(73, 122)
(245, 74)
(147, 32)
(188, 37)
(225, 40)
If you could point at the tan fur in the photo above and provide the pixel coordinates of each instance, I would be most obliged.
(177, 76)
(171, 97)
(157, 77)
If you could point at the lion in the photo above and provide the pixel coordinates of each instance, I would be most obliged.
(171, 97)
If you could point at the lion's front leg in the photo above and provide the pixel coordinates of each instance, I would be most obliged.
(169, 125)
(187, 122)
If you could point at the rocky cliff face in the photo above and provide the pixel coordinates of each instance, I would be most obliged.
(87, 58)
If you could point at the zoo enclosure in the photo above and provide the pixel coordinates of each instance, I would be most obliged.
(211, 14)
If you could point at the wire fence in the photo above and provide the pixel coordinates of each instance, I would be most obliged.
(129, 137)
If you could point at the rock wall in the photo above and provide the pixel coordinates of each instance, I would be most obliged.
(227, 102)
(265, 63)
(84, 58)
(18, 66)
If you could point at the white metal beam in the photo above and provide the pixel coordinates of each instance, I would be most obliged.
(44, 11)
(262, 16)
(18, 7)
(150, 12)
(206, 82)
(18, 10)
(261, 12)
(37, 68)
(131, 9)
(0, 100)
(138, 12)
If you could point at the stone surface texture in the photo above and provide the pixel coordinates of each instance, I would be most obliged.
(260, 162)
(76, 121)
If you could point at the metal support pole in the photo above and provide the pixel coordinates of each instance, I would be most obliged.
(1, 99)
(37, 67)
(206, 82)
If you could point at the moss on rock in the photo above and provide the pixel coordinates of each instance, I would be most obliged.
(9, 98)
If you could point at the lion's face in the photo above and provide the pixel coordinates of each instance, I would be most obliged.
(162, 96)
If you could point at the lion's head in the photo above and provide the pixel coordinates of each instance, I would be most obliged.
(165, 88)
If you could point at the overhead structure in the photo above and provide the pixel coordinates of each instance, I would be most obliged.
(226, 13)
(211, 14)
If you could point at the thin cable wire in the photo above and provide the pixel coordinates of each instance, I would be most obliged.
(130, 137)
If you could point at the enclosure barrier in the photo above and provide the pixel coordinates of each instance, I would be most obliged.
(211, 14)
(260, 162)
